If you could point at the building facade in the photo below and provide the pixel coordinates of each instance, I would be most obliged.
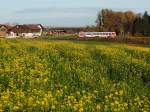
(4, 30)
(25, 31)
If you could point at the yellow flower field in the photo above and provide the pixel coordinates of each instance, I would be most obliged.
(72, 76)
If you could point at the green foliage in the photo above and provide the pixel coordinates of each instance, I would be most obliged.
(70, 76)
(142, 25)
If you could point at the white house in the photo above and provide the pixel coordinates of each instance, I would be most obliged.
(25, 31)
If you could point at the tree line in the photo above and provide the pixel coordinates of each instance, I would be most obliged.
(124, 22)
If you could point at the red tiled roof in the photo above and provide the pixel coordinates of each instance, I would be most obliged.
(26, 28)
(32, 26)
(6, 26)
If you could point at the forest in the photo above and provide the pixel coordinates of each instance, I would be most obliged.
(129, 23)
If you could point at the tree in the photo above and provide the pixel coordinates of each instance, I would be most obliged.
(115, 21)
(141, 25)
(99, 21)
(124, 22)
(130, 18)
(146, 24)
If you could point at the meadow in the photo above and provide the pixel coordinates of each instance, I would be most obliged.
(73, 76)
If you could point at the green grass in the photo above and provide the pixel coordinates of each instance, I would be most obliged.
(61, 37)
(51, 75)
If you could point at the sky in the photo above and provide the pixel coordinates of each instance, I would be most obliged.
(67, 13)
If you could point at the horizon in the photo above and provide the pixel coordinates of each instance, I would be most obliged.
(63, 13)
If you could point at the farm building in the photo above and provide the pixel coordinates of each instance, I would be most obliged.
(26, 31)
(56, 32)
(4, 29)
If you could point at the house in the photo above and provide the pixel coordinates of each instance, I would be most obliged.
(4, 29)
(56, 32)
(26, 31)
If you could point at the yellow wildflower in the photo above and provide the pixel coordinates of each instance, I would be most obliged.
(121, 92)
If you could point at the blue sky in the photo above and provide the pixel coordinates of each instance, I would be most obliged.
(63, 12)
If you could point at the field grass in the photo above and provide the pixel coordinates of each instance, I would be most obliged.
(118, 39)
(73, 76)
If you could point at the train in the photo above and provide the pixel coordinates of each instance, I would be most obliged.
(97, 34)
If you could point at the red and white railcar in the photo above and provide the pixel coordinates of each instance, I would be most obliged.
(97, 34)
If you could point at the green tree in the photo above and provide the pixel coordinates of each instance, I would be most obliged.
(145, 24)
